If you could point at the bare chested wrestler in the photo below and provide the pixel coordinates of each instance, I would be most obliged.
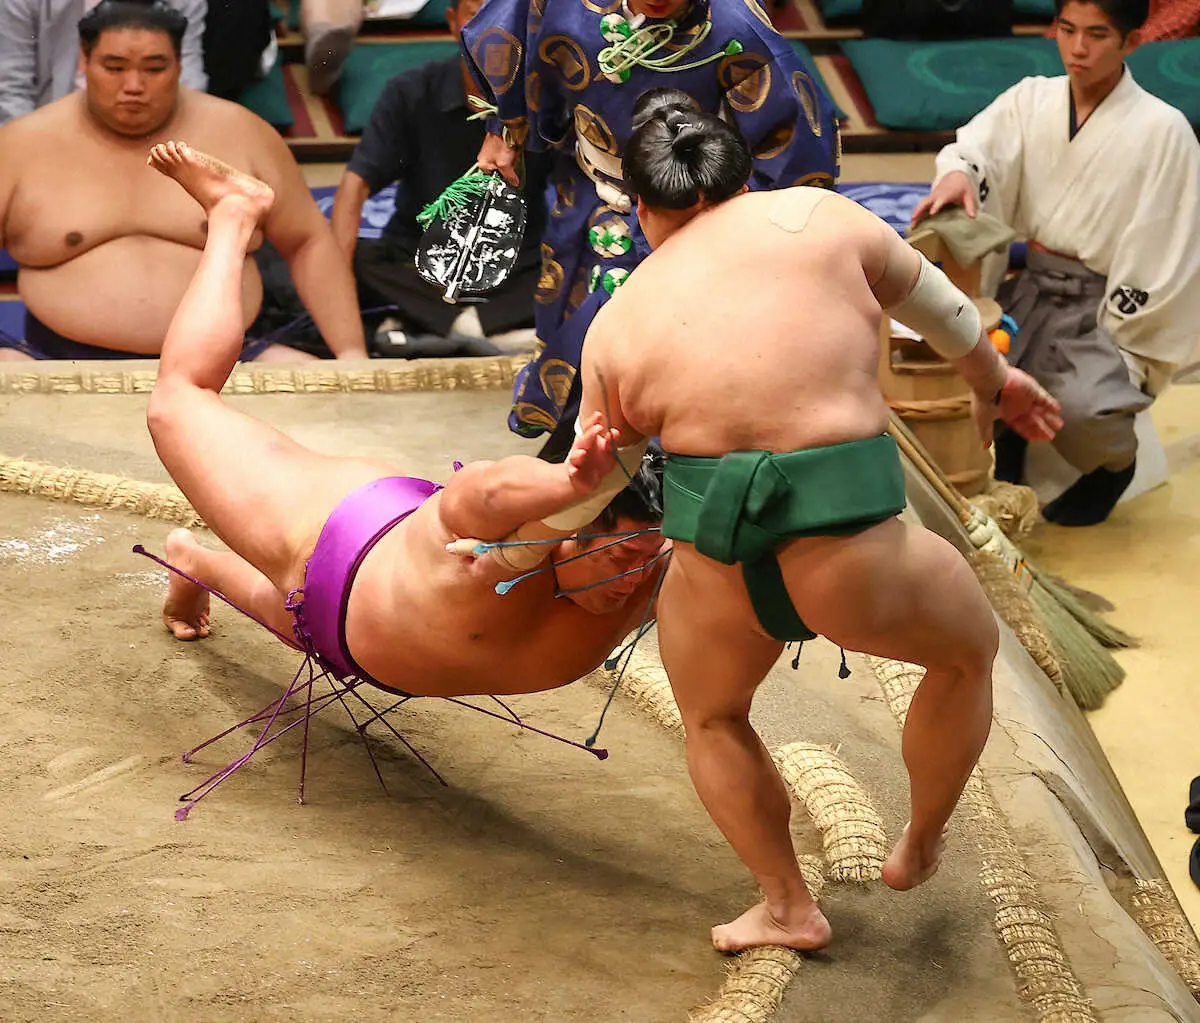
(382, 598)
(782, 488)
(105, 246)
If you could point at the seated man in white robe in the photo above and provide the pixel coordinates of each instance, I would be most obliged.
(1104, 181)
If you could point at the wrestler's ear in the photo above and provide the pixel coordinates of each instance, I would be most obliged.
(1132, 42)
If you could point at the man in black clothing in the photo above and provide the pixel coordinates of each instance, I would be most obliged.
(419, 135)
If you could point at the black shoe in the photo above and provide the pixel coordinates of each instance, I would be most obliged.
(1010, 456)
(1090, 499)
(1191, 816)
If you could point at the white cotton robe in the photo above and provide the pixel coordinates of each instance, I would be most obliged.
(1122, 197)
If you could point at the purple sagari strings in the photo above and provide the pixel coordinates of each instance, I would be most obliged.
(313, 670)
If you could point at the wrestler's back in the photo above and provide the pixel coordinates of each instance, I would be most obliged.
(753, 327)
(422, 621)
(94, 229)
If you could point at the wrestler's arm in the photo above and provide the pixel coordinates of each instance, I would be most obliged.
(303, 237)
(920, 296)
(493, 500)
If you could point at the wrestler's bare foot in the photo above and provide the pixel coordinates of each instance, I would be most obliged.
(807, 931)
(209, 181)
(910, 865)
(185, 611)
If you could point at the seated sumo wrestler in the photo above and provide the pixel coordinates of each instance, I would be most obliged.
(105, 247)
(782, 488)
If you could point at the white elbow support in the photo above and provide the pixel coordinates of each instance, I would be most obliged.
(946, 318)
(629, 461)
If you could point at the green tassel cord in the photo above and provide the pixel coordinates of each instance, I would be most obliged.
(458, 193)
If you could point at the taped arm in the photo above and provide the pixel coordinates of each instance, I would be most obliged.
(916, 293)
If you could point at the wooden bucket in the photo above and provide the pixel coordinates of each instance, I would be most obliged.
(935, 403)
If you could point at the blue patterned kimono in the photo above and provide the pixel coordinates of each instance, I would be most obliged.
(539, 60)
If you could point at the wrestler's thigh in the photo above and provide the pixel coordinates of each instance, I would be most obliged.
(711, 644)
(897, 591)
(265, 495)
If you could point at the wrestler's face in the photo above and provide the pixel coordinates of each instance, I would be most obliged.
(132, 80)
(659, 9)
(1091, 47)
(602, 562)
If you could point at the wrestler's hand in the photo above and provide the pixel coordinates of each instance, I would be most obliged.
(1024, 405)
(592, 456)
(497, 155)
(955, 189)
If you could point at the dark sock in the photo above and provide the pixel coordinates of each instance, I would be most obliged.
(1090, 498)
(1010, 456)
(1194, 862)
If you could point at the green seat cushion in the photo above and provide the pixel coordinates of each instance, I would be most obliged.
(1041, 9)
(843, 10)
(1170, 69)
(810, 66)
(370, 65)
(940, 86)
(268, 98)
(840, 10)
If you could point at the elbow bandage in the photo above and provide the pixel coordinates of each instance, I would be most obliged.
(946, 318)
(629, 461)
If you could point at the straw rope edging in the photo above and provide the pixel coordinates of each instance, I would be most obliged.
(1045, 979)
(163, 501)
(1158, 915)
(381, 376)
(757, 979)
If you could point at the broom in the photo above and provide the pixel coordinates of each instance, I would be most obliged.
(1079, 635)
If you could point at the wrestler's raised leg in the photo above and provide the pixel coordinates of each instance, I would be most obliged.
(901, 592)
(714, 683)
(262, 493)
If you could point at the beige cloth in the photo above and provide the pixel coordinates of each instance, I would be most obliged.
(968, 240)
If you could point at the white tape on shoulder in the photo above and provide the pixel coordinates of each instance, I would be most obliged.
(943, 315)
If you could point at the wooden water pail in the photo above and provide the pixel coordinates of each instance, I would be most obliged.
(935, 403)
(929, 395)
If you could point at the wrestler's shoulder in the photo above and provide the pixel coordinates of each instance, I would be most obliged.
(36, 128)
(213, 111)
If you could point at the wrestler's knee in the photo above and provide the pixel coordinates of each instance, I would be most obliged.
(164, 409)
